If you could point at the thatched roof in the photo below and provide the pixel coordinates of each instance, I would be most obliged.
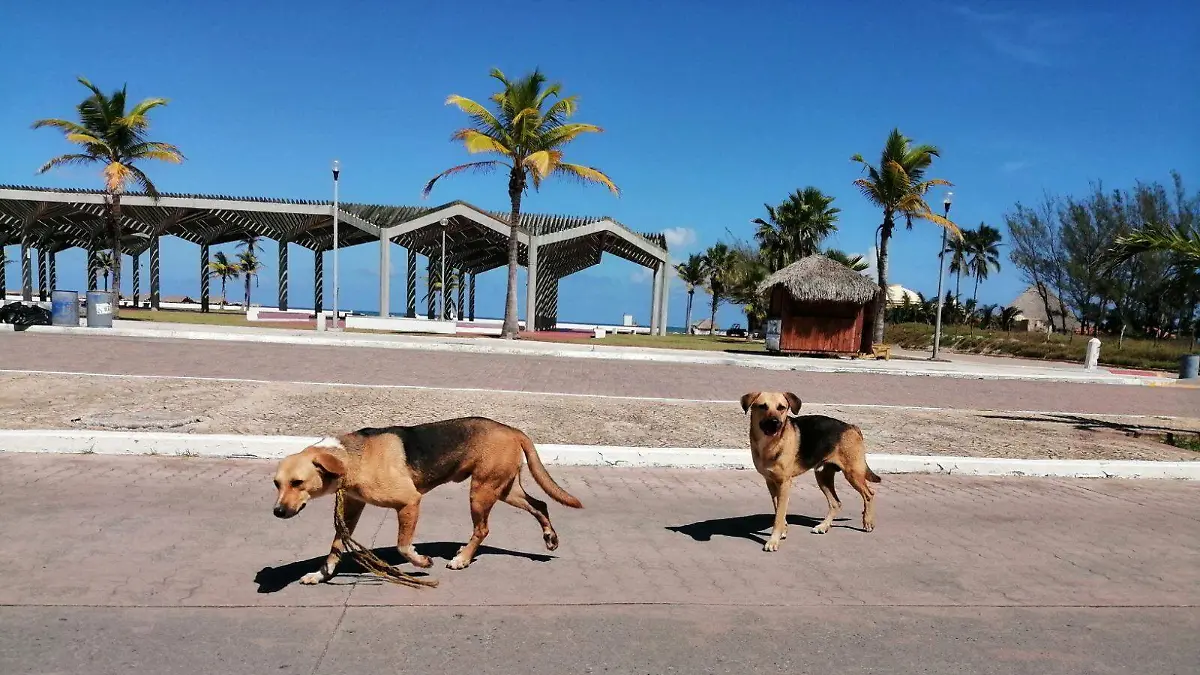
(819, 279)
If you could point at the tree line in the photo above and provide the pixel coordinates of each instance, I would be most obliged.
(1117, 259)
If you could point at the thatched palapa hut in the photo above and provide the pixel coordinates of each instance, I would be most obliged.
(819, 305)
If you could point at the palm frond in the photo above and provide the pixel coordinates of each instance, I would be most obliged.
(477, 142)
(67, 160)
(486, 166)
(587, 174)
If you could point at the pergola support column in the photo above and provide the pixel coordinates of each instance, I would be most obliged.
(664, 294)
(283, 275)
(136, 278)
(531, 286)
(471, 304)
(430, 296)
(410, 278)
(462, 282)
(319, 280)
(654, 299)
(93, 266)
(43, 274)
(205, 277)
(546, 317)
(26, 269)
(385, 275)
(155, 275)
(52, 259)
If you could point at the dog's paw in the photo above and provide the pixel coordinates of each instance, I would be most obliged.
(868, 526)
(313, 578)
(458, 563)
(551, 540)
(820, 528)
(424, 561)
(784, 535)
(771, 545)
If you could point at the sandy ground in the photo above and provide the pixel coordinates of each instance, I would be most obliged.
(85, 402)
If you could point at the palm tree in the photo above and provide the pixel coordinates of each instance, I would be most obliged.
(718, 268)
(796, 228)
(224, 269)
(104, 265)
(898, 186)
(957, 248)
(983, 253)
(854, 262)
(115, 138)
(691, 273)
(249, 264)
(1183, 243)
(528, 130)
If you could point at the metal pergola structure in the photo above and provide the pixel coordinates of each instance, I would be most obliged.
(550, 247)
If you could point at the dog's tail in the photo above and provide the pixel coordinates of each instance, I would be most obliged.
(872, 477)
(542, 477)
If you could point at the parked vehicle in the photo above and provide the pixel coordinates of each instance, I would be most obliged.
(736, 330)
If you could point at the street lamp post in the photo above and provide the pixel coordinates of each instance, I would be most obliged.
(937, 329)
(337, 170)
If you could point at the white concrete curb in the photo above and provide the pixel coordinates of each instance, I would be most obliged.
(597, 351)
(275, 447)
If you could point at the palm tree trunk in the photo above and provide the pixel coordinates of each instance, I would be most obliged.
(516, 187)
(975, 297)
(712, 325)
(958, 289)
(688, 325)
(223, 281)
(247, 307)
(885, 233)
(115, 229)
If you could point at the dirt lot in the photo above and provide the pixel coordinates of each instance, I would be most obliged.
(196, 406)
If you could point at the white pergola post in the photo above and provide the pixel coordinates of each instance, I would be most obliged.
(655, 300)
(385, 273)
(663, 295)
(531, 287)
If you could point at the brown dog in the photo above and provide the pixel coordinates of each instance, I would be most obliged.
(785, 446)
(394, 467)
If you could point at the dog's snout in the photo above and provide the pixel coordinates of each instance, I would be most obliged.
(279, 511)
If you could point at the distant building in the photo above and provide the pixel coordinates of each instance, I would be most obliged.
(897, 294)
(1032, 312)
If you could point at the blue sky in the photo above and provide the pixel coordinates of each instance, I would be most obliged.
(710, 109)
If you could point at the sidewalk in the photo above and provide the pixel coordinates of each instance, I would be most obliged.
(132, 565)
(968, 369)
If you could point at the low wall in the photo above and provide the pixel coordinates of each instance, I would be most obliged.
(400, 324)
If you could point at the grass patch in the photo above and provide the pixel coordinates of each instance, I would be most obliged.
(1134, 353)
(213, 318)
(1184, 441)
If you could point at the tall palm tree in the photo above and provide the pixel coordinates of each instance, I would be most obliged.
(983, 253)
(691, 273)
(115, 138)
(224, 269)
(957, 248)
(854, 262)
(898, 186)
(718, 268)
(796, 228)
(105, 266)
(528, 130)
(250, 265)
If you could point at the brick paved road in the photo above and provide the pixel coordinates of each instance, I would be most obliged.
(331, 364)
(121, 565)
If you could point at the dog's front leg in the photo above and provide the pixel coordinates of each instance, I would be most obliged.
(407, 515)
(352, 510)
(781, 491)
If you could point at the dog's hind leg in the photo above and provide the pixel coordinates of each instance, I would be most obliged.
(517, 497)
(352, 510)
(407, 515)
(483, 498)
(857, 476)
(825, 474)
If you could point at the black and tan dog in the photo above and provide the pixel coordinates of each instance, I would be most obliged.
(394, 467)
(785, 446)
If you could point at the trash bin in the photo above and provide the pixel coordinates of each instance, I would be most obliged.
(1188, 367)
(64, 308)
(99, 309)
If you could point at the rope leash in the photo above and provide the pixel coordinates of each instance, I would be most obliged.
(367, 558)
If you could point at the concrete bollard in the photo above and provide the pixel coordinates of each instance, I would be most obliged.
(1092, 359)
(321, 321)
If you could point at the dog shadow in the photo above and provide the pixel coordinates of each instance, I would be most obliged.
(275, 579)
(756, 528)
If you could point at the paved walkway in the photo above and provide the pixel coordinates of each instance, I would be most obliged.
(449, 370)
(121, 565)
(1004, 369)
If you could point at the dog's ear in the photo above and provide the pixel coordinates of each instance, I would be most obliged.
(329, 464)
(794, 402)
(747, 400)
